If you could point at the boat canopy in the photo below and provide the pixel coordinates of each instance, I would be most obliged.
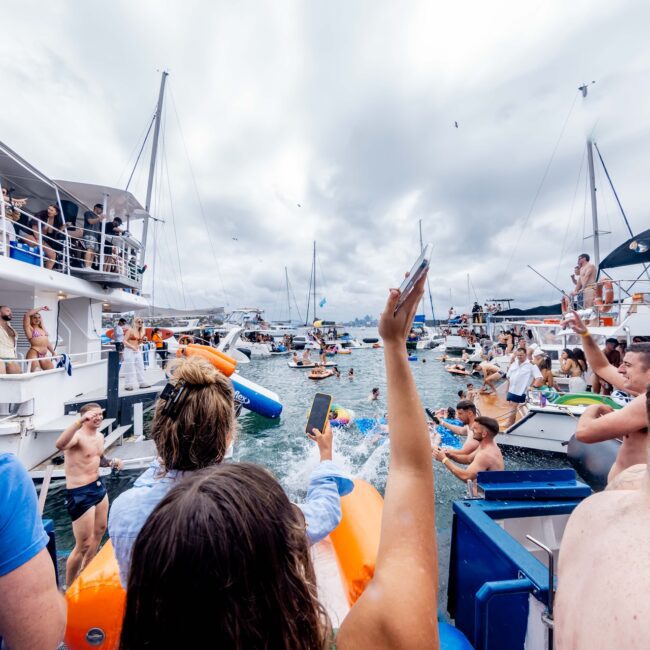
(542, 310)
(119, 203)
(24, 181)
(635, 250)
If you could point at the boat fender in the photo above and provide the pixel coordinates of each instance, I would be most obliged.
(370, 340)
(593, 461)
(356, 538)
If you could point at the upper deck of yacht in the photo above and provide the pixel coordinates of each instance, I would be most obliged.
(44, 236)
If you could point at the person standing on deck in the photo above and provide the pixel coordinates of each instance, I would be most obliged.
(133, 362)
(485, 457)
(39, 342)
(82, 445)
(8, 343)
(118, 336)
(601, 422)
(521, 374)
(585, 281)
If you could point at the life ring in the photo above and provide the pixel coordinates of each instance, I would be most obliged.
(96, 598)
(342, 416)
(608, 294)
(565, 304)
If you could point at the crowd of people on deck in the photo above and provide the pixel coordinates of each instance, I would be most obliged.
(200, 538)
(49, 230)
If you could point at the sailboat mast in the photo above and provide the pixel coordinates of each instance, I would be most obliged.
(286, 278)
(314, 265)
(594, 207)
(152, 163)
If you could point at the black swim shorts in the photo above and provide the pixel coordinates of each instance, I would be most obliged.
(80, 500)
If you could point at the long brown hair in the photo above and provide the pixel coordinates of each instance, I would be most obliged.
(198, 435)
(223, 562)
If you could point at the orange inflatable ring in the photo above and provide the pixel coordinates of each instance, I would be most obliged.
(218, 359)
(565, 304)
(96, 604)
(608, 294)
(96, 598)
(356, 538)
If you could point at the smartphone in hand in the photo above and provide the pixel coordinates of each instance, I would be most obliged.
(419, 268)
(319, 413)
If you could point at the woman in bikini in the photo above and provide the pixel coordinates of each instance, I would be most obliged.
(573, 370)
(39, 342)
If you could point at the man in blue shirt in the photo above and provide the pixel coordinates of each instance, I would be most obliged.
(32, 612)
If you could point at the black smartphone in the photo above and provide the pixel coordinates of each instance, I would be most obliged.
(320, 410)
(419, 268)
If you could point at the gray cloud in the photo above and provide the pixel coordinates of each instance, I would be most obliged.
(349, 111)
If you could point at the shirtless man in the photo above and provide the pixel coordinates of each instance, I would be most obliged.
(486, 457)
(585, 280)
(491, 374)
(602, 571)
(600, 422)
(86, 498)
(8, 341)
(466, 413)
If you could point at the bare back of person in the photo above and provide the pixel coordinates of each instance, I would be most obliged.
(634, 446)
(602, 572)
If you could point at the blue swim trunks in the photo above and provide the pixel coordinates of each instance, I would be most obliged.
(80, 500)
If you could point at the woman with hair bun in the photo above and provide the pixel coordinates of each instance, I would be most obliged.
(194, 427)
(223, 561)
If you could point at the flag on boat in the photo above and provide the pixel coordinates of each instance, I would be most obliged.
(322, 303)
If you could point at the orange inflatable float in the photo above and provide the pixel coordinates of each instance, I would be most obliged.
(96, 598)
(217, 358)
(356, 538)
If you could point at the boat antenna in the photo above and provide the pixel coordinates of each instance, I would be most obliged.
(152, 163)
(433, 313)
(564, 293)
(314, 265)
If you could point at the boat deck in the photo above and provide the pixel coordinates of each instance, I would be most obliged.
(495, 405)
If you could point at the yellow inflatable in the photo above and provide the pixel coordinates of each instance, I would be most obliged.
(96, 599)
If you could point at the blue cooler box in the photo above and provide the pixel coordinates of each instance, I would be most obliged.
(24, 253)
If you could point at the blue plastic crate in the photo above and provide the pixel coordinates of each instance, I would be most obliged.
(24, 253)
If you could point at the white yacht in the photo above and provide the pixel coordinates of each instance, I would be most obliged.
(36, 406)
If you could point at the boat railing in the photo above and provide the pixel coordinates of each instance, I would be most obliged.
(118, 256)
(611, 301)
(77, 358)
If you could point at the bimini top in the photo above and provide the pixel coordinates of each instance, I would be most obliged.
(635, 250)
(23, 180)
(119, 203)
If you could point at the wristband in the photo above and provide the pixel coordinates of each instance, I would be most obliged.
(585, 334)
(444, 460)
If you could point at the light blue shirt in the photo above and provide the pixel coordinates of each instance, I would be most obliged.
(322, 510)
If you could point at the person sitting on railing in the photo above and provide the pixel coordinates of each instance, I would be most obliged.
(45, 226)
(39, 341)
(8, 343)
(111, 250)
(92, 232)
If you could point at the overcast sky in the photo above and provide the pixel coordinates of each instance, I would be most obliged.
(334, 121)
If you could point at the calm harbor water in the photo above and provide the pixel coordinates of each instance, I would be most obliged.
(281, 445)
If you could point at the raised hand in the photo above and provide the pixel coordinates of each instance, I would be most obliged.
(324, 441)
(395, 327)
(575, 323)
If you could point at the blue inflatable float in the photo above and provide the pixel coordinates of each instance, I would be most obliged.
(256, 398)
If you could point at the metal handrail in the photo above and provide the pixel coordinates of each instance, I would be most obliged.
(54, 358)
(124, 260)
